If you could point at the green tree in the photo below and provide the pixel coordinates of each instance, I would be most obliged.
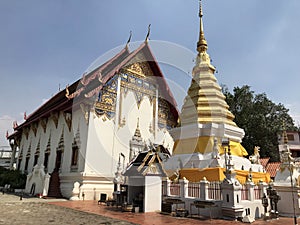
(261, 119)
(13, 177)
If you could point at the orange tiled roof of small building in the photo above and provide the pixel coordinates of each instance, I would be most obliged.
(264, 161)
(272, 168)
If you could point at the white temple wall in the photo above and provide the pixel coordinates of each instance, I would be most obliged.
(80, 122)
(98, 160)
(289, 200)
(102, 141)
(43, 143)
(152, 198)
(108, 138)
(55, 132)
(67, 176)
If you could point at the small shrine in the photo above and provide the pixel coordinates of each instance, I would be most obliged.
(144, 180)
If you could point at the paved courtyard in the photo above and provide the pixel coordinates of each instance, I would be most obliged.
(35, 211)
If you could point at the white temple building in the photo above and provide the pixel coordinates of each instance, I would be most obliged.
(78, 135)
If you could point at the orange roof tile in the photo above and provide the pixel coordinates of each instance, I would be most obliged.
(272, 168)
(264, 161)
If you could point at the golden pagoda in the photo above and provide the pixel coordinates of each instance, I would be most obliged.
(205, 103)
(205, 114)
(208, 141)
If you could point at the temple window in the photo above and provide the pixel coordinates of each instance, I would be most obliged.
(26, 163)
(19, 163)
(75, 151)
(74, 158)
(46, 159)
(290, 137)
(37, 154)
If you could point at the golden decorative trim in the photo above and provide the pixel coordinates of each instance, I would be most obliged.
(67, 92)
(68, 119)
(85, 110)
(121, 121)
(140, 68)
(151, 128)
(134, 87)
(165, 117)
(104, 107)
(104, 117)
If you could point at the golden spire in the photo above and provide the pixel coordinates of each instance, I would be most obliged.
(202, 44)
(205, 102)
(285, 138)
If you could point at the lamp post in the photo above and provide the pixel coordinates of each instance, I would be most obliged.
(292, 186)
(265, 204)
(276, 198)
(288, 156)
(270, 194)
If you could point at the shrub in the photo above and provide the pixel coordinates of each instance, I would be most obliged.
(15, 178)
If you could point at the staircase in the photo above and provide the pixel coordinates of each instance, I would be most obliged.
(54, 185)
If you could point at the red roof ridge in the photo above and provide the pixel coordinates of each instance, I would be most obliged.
(97, 71)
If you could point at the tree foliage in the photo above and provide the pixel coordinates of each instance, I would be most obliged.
(261, 119)
(13, 177)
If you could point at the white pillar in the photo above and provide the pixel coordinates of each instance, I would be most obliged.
(250, 187)
(184, 183)
(204, 189)
(263, 188)
(46, 184)
(168, 184)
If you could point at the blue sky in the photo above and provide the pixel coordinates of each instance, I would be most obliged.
(44, 44)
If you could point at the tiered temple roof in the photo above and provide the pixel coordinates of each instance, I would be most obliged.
(90, 84)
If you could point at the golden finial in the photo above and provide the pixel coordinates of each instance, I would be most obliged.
(67, 91)
(148, 34)
(129, 39)
(202, 44)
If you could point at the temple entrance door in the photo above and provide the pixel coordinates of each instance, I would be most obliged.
(58, 160)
